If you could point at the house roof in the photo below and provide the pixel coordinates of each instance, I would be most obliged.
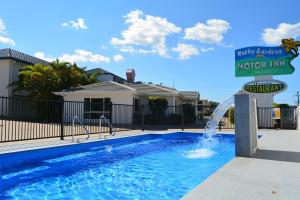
(20, 57)
(103, 71)
(152, 90)
(190, 94)
(140, 88)
(109, 86)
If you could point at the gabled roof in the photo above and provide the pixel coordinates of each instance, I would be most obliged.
(20, 57)
(189, 94)
(152, 90)
(103, 71)
(140, 88)
(109, 86)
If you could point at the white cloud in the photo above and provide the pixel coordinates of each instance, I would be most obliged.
(207, 49)
(145, 31)
(2, 26)
(118, 58)
(130, 49)
(6, 40)
(185, 51)
(42, 56)
(77, 24)
(227, 45)
(78, 56)
(84, 56)
(273, 36)
(212, 32)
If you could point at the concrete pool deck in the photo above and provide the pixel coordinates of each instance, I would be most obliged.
(273, 172)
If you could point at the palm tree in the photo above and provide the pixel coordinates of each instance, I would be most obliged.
(38, 80)
(41, 81)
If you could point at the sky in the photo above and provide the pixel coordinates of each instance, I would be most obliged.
(189, 44)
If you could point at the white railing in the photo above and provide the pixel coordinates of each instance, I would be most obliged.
(108, 123)
(75, 118)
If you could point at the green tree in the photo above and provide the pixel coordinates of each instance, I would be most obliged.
(212, 106)
(231, 115)
(157, 105)
(189, 113)
(38, 80)
(41, 81)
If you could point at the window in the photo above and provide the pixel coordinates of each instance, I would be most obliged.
(95, 107)
(136, 104)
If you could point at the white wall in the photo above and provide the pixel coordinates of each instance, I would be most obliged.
(4, 82)
(4, 77)
(264, 100)
(121, 114)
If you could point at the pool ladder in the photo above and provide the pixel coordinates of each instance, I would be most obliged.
(112, 132)
(75, 118)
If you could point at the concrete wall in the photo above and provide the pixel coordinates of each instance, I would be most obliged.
(245, 125)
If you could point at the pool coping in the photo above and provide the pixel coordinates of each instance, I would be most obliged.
(94, 138)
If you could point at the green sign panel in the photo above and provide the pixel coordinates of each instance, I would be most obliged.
(259, 61)
(265, 86)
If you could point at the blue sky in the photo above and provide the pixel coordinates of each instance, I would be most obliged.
(190, 43)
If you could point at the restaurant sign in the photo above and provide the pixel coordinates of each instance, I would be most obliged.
(265, 86)
(259, 61)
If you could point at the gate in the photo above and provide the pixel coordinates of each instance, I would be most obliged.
(287, 120)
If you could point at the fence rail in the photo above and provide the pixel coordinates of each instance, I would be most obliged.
(29, 118)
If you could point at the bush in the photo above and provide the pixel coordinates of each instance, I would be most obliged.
(174, 118)
(189, 113)
(157, 106)
(231, 115)
(137, 118)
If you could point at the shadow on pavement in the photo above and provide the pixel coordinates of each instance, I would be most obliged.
(287, 156)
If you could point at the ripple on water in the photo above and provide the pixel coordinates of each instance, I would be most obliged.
(199, 153)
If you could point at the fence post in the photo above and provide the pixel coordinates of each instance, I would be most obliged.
(62, 120)
(143, 118)
(110, 117)
(182, 118)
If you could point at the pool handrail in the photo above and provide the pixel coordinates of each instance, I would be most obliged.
(108, 123)
(82, 125)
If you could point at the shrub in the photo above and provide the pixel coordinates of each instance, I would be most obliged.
(231, 115)
(157, 103)
(174, 118)
(137, 118)
(189, 113)
(157, 106)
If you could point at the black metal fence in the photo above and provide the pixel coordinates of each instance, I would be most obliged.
(28, 118)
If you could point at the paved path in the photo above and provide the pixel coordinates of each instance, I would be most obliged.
(273, 173)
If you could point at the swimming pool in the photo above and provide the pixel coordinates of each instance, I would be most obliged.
(152, 166)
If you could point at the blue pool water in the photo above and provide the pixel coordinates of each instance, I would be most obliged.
(153, 166)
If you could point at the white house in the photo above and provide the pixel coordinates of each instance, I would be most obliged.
(134, 94)
(11, 62)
